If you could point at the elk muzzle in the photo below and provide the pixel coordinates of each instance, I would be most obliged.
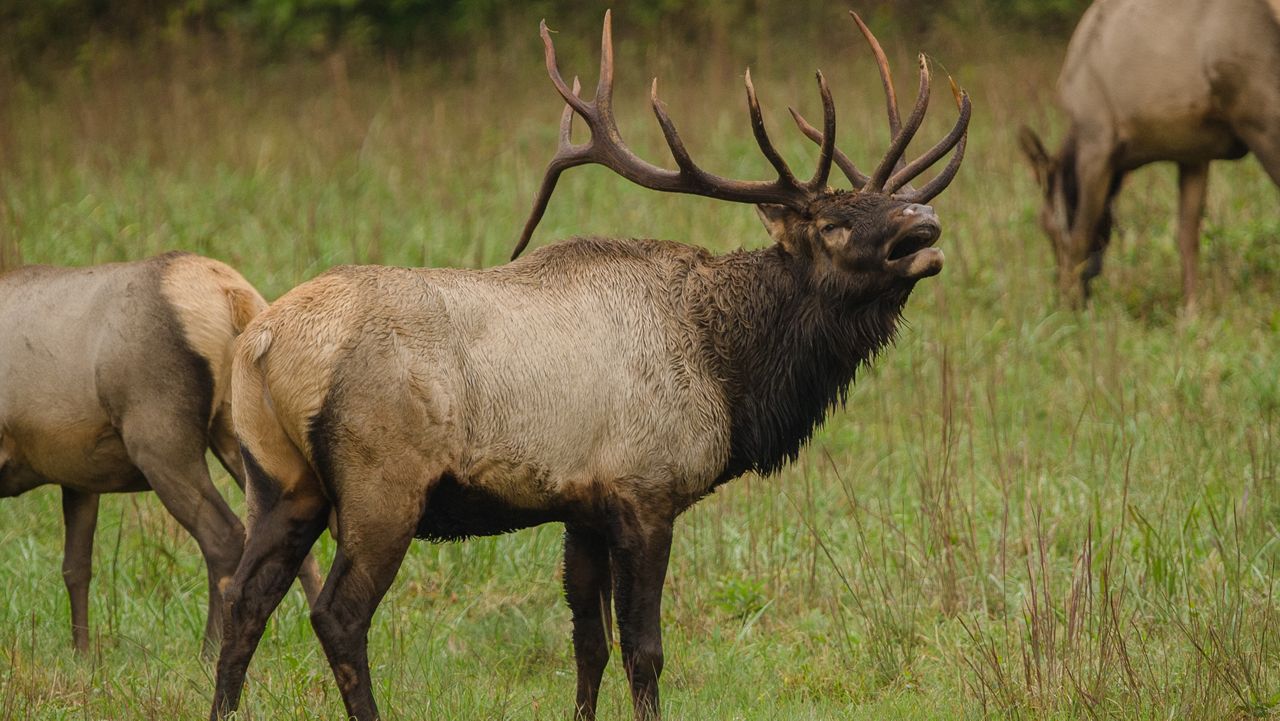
(910, 253)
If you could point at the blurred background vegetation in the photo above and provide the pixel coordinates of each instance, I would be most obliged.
(34, 33)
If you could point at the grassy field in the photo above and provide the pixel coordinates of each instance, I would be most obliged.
(1022, 511)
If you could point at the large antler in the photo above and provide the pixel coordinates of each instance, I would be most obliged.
(891, 176)
(607, 148)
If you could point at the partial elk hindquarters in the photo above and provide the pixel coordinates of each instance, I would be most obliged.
(1146, 81)
(114, 379)
(444, 403)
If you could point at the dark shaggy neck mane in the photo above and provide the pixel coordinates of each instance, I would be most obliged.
(786, 349)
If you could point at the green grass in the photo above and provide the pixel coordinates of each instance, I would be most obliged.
(1022, 512)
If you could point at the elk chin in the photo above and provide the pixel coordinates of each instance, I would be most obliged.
(920, 264)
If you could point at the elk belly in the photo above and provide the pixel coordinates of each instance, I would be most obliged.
(457, 511)
(84, 454)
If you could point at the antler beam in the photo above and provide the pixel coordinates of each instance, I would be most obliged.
(607, 148)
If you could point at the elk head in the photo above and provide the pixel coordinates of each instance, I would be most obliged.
(862, 242)
(1079, 261)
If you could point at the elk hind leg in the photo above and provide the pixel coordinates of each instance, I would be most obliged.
(374, 532)
(172, 457)
(80, 515)
(587, 579)
(284, 522)
(225, 447)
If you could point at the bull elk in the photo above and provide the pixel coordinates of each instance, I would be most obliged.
(602, 383)
(1149, 80)
(115, 379)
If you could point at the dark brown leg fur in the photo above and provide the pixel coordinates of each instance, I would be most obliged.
(281, 532)
(374, 531)
(587, 582)
(639, 552)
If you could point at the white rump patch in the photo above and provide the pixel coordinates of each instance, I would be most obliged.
(202, 292)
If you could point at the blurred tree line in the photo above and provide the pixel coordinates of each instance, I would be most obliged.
(32, 31)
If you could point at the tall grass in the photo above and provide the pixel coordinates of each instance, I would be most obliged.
(1022, 512)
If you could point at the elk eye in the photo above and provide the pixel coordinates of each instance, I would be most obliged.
(828, 228)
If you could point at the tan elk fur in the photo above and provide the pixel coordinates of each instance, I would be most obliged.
(497, 398)
(1188, 81)
(114, 378)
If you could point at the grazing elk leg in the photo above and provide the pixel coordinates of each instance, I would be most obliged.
(1258, 125)
(80, 514)
(1267, 147)
(1094, 180)
(1193, 180)
(173, 460)
(587, 580)
(225, 447)
(374, 531)
(639, 554)
(282, 529)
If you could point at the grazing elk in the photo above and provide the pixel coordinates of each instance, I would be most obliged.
(1148, 80)
(113, 379)
(603, 383)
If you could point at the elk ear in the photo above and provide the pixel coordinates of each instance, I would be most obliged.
(775, 218)
(1039, 158)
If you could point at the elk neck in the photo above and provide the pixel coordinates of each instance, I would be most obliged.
(786, 347)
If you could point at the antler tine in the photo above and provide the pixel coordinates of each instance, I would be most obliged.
(762, 137)
(940, 182)
(786, 190)
(818, 182)
(856, 177)
(539, 206)
(886, 77)
(567, 156)
(931, 189)
(683, 160)
(604, 87)
(903, 138)
(553, 69)
(957, 134)
(566, 118)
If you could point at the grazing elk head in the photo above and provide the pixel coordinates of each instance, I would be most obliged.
(857, 244)
(1079, 262)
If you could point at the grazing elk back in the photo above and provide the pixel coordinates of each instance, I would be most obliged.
(1187, 81)
(115, 378)
(606, 384)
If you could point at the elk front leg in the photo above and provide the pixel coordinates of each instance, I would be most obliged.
(639, 554)
(1082, 262)
(587, 589)
(80, 515)
(1193, 182)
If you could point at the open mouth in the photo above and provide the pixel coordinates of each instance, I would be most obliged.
(912, 255)
(919, 238)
